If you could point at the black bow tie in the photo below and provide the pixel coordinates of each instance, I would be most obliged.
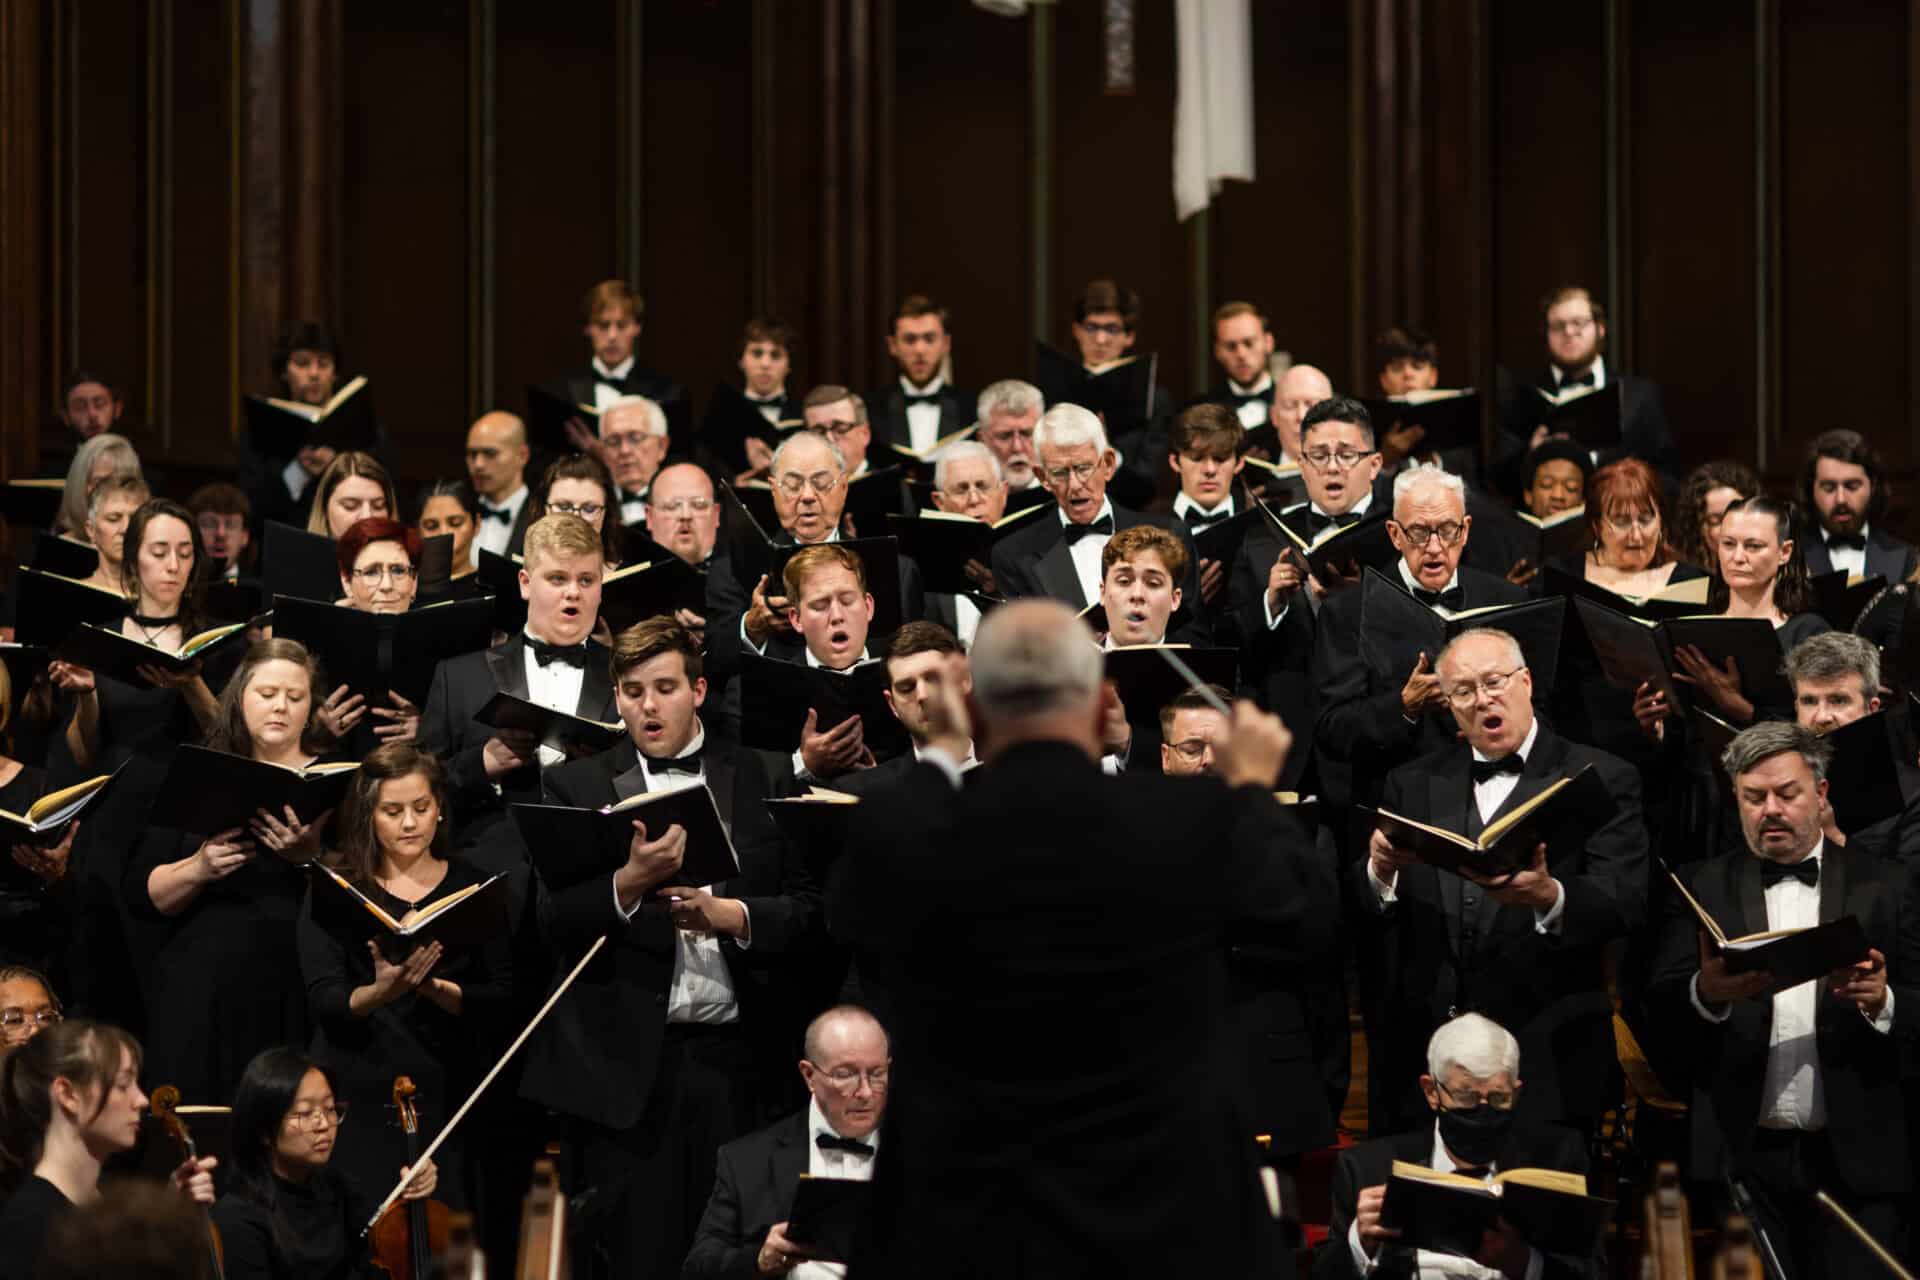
(1583, 380)
(502, 514)
(1806, 871)
(1316, 521)
(1485, 769)
(1838, 541)
(1195, 516)
(1451, 598)
(573, 655)
(931, 397)
(686, 763)
(1251, 397)
(754, 399)
(1074, 532)
(852, 1146)
(618, 384)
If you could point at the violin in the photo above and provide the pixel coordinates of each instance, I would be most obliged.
(164, 1103)
(411, 1234)
(543, 1227)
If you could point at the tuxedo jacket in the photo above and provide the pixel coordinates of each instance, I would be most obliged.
(730, 420)
(596, 1054)
(1361, 734)
(753, 1184)
(1444, 944)
(461, 686)
(1644, 430)
(1370, 1164)
(728, 599)
(1274, 663)
(887, 413)
(1886, 554)
(1861, 1070)
(577, 386)
(1029, 909)
(1036, 562)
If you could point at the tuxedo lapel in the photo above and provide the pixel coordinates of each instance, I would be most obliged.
(719, 775)
(1751, 896)
(1819, 562)
(508, 663)
(1543, 768)
(1833, 884)
(1450, 804)
(596, 684)
(787, 1158)
(629, 779)
(1057, 576)
(1887, 561)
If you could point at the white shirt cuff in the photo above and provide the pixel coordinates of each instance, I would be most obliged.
(1883, 1022)
(1266, 608)
(1700, 1006)
(941, 759)
(1536, 1263)
(1548, 922)
(626, 913)
(747, 640)
(1361, 1262)
(800, 771)
(745, 940)
(1382, 891)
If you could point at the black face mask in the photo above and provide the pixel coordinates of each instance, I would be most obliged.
(1474, 1135)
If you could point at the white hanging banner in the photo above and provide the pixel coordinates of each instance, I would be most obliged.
(1213, 111)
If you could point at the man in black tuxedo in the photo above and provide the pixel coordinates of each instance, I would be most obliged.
(1207, 451)
(1106, 320)
(1113, 1133)
(744, 1230)
(968, 480)
(684, 516)
(1242, 347)
(1008, 413)
(1843, 486)
(633, 443)
(921, 657)
(919, 407)
(612, 313)
(89, 404)
(1803, 1088)
(1371, 721)
(1059, 556)
(1471, 1085)
(1576, 333)
(497, 457)
(306, 369)
(742, 424)
(673, 1043)
(1525, 949)
(1836, 681)
(553, 663)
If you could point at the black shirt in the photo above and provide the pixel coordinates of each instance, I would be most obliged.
(319, 1236)
(24, 1224)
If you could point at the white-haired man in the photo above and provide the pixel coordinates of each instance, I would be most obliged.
(1054, 939)
(1060, 556)
(633, 443)
(1525, 949)
(1471, 1085)
(1008, 412)
(967, 480)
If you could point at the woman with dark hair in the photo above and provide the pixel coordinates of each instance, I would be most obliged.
(1709, 490)
(163, 572)
(580, 485)
(288, 1214)
(70, 1099)
(450, 507)
(225, 977)
(382, 1008)
(35, 916)
(353, 487)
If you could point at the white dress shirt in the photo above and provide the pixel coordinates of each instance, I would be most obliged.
(923, 420)
(702, 989)
(1208, 515)
(604, 395)
(632, 507)
(966, 618)
(770, 406)
(1358, 509)
(1432, 1265)
(496, 535)
(555, 686)
(1851, 559)
(1599, 372)
(1086, 552)
(832, 1164)
(1791, 1093)
(1253, 413)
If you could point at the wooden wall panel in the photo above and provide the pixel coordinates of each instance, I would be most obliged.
(405, 238)
(557, 192)
(1113, 182)
(1694, 226)
(1549, 223)
(696, 190)
(204, 378)
(1282, 240)
(1844, 216)
(796, 290)
(1447, 295)
(109, 136)
(961, 159)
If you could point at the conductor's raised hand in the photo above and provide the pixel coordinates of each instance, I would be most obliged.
(1116, 731)
(1256, 748)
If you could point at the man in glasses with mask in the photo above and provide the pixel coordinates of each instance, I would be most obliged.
(1525, 949)
(1472, 1086)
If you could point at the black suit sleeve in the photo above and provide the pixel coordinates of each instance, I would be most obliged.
(1606, 898)
(1334, 1261)
(727, 602)
(786, 916)
(1286, 895)
(1010, 573)
(720, 1251)
(1356, 724)
(442, 731)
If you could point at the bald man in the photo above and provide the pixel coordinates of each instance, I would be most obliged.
(1300, 388)
(497, 465)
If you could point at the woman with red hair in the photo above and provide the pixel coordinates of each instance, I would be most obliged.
(379, 565)
(1630, 553)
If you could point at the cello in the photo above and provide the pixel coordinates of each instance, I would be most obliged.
(409, 1236)
(164, 1103)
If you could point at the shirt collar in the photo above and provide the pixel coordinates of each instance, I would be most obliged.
(1826, 534)
(1598, 369)
(819, 665)
(817, 1127)
(775, 398)
(1357, 509)
(619, 371)
(937, 385)
(1263, 383)
(697, 741)
(1412, 584)
(1106, 510)
(1526, 744)
(1183, 504)
(968, 763)
(513, 501)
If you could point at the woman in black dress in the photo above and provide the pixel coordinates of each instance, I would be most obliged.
(224, 980)
(288, 1213)
(36, 910)
(70, 1098)
(383, 1007)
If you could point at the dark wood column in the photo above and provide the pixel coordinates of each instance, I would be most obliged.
(25, 42)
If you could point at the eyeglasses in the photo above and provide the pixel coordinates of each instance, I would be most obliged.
(1193, 750)
(1103, 328)
(585, 510)
(840, 429)
(685, 506)
(793, 482)
(1327, 460)
(1621, 524)
(1576, 324)
(620, 441)
(319, 1117)
(374, 572)
(13, 1021)
(1498, 1099)
(968, 488)
(1421, 534)
(1493, 686)
(847, 1079)
(1081, 471)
